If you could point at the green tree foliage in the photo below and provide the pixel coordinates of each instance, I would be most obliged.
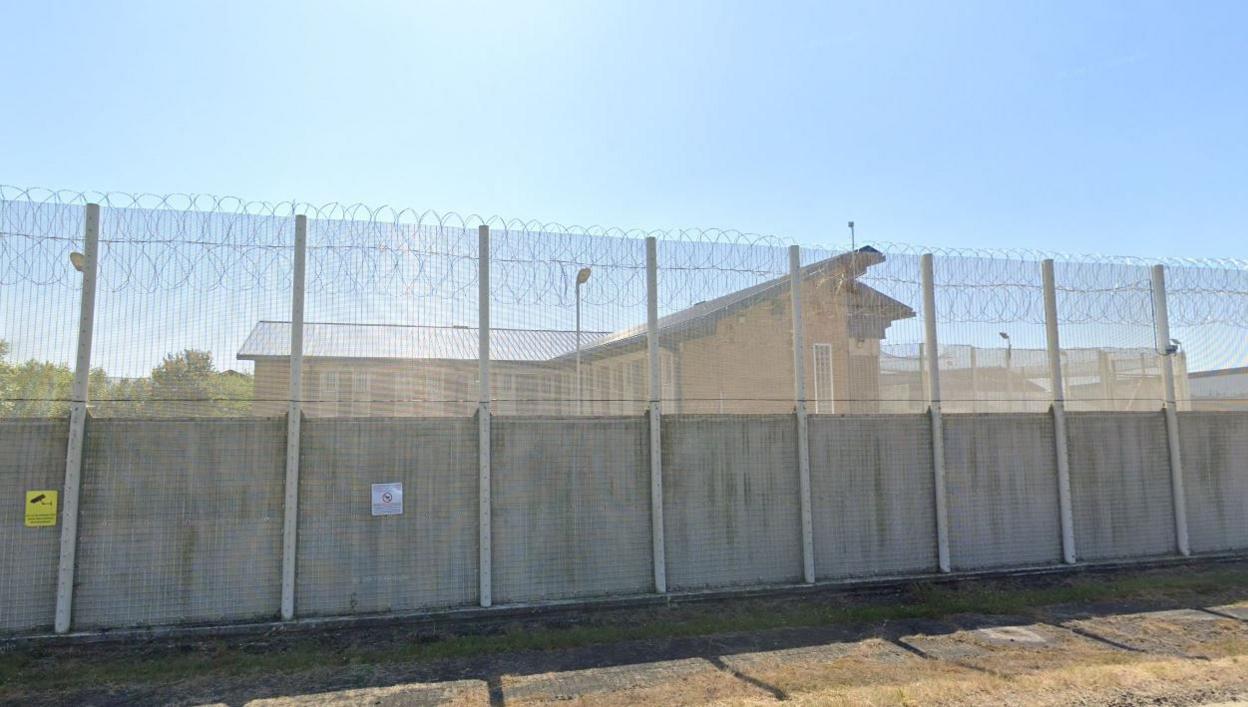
(184, 384)
(189, 382)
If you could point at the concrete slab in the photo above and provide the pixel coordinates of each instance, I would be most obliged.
(410, 695)
(1182, 632)
(1012, 649)
(871, 491)
(352, 562)
(1239, 611)
(571, 684)
(180, 521)
(571, 508)
(731, 505)
(874, 650)
(1120, 485)
(1001, 476)
(32, 458)
(1215, 446)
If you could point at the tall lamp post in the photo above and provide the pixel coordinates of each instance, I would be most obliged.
(582, 276)
(1009, 381)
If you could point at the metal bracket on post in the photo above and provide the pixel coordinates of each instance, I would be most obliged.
(658, 550)
(1066, 513)
(933, 388)
(1161, 313)
(79, 396)
(799, 396)
(294, 421)
(485, 558)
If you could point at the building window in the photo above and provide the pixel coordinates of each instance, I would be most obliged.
(602, 390)
(516, 392)
(346, 392)
(383, 389)
(617, 389)
(360, 399)
(567, 382)
(434, 394)
(823, 378)
(639, 389)
(329, 392)
(668, 383)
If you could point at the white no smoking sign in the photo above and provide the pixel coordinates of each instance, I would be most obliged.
(388, 499)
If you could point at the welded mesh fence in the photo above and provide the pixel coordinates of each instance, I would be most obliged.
(560, 479)
(390, 319)
(39, 292)
(193, 318)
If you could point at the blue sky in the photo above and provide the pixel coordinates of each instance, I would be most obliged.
(1114, 127)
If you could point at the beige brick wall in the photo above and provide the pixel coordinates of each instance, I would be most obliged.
(744, 366)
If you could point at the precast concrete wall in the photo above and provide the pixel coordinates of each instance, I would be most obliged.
(730, 500)
(1120, 485)
(872, 495)
(32, 458)
(1001, 482)
(571, 508)
(180, 521)
(1215, 471)
(350, 561)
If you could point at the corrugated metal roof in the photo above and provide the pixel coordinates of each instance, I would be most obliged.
(460, 343)
(699, 317)
(329, 340)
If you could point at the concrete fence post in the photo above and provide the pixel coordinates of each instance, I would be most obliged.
(79, 396)
(484, 517)
(294, 422)
(1161, 315)
(1054, 347)
(658, 551)
(933, 395)
(799, 399)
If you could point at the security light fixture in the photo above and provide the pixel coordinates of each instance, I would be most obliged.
(582, 276)
(78, 260)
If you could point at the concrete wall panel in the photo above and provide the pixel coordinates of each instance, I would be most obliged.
(871, 490)
(352, 562)
(1001, 477)
(180, 521)
(32, 458)
(730, 500)
(1120, 485)
(571, 508)
(1215, 471)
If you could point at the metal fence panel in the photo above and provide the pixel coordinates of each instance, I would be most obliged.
(40, 293)
(725, 326)
(1001, 475)
(351, 561)
(871, 487)
(181, 521)
(730, 500)
(32, 458)
(1120, 485)
(1215, 468)
(180, 518)
(571, 513)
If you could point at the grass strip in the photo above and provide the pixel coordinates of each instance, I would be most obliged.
(46, 667)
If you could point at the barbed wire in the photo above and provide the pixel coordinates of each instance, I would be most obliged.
(152, 243)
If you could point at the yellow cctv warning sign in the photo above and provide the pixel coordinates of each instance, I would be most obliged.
(40, 509)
